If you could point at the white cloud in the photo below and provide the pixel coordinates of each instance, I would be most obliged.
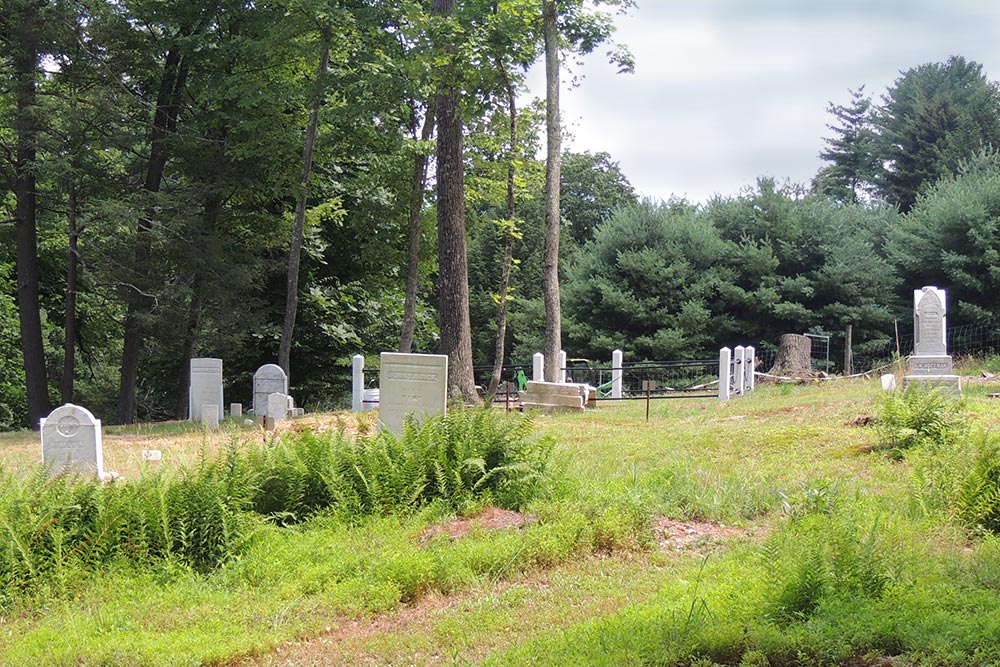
(726, 91)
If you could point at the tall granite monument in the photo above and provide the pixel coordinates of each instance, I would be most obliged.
(930, 362)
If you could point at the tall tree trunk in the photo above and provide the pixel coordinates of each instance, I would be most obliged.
(509, 232)
(25, 60)
(453, 270)
(553, 165)
(295, 251)
(139, 303)
(72, 263)
(188, 346)
(418, 185)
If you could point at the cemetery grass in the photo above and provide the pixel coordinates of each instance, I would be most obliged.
(832, 559)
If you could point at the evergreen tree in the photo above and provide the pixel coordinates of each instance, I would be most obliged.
(851, 173)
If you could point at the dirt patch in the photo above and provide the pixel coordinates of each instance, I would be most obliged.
(490, 518)
(673, 535)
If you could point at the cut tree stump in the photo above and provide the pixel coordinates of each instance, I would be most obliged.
(794, 358)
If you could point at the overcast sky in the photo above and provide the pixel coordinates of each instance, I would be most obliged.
(726, 91)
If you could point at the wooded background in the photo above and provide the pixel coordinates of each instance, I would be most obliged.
(168, 169)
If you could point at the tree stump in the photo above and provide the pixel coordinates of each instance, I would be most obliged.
(794, 357)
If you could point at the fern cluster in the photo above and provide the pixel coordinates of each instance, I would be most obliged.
(54, 531)
(916, 415)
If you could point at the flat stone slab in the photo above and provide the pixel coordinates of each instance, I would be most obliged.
(555, 396)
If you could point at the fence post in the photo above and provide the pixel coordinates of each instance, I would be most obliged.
(617, 373)
(562, 365)
(358, 382)
(725, 361)
(750, 353)
(538, 367)
(848, 352)
(738, 357)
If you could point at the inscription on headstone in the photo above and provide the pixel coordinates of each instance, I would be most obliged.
(206, 386)
(269, 379)
(411, 384)
(72, 442)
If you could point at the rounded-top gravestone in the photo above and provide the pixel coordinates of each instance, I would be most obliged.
(72, 442)
(269, 379)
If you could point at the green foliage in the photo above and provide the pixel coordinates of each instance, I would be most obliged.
(916, 415)
(977, 502)
(951, 238)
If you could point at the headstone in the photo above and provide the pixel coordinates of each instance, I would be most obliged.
(235, 410)
(210, 417)
(269, 379)
(930, 362)
(888, 382)
(411, 384)
(555, 396)
(152, 454)
(277, 407)
(72, 441)
(206, 386)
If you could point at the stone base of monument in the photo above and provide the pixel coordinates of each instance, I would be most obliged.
(949, 383)
(932, 371)
(555, 396)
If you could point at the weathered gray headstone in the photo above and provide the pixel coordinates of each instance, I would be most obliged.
(210, 416)
(930, 362)
(411, 384)
(236, 410)
(277, 407)
(269, 379)
(206, 386)
(72, 441)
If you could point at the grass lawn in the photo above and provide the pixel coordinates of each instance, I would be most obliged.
(768, 530)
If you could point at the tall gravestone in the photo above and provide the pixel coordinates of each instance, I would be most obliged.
(411, 385)
(206, 386)
(930, 362)
(269, 379)
(72, 442)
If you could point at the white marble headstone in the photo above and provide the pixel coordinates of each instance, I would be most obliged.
(269, 379)
(277, 407)
(72, 442)
(206, 386)
(411, 384)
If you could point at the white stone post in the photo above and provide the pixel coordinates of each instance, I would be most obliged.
(739, 354)
(725, 364)
(562, 365)
(617, 373)
(538, 367)
(750, 354)
(358, 383)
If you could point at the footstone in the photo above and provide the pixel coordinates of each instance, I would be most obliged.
(72, 441)
(411, 385)
(888, 382)
(236, 410)
(210, 417)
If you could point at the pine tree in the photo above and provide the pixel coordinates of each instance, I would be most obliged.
(850, 175)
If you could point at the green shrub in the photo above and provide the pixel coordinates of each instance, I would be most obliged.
(916, 415)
